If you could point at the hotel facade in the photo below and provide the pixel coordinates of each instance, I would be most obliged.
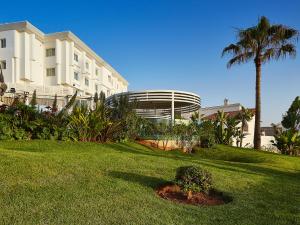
(56, 63)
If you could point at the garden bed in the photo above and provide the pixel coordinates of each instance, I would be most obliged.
(173, 193)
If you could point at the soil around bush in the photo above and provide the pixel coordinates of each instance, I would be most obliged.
(173, 193)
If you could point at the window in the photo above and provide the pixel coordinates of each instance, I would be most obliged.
(76, 75)
(3, 64)
(87, 65)
(96, 88)
(246, 127)
(50, 72)
(109, 78)
(3, 43)
(75, 57)
(96, 71)
(86, 81)
(50, 52)
(108, 93)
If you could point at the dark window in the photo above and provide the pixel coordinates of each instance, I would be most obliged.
(76, 75)
(3, 64)
(3, 43)
(75, 57)
(50, 52)
(50, 72)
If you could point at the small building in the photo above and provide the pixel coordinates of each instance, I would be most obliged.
(232, 110)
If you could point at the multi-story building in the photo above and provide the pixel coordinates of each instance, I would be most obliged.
(55, 63)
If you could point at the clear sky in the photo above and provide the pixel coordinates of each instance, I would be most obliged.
(170, 44)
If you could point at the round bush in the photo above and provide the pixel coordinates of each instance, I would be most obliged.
(193, 179)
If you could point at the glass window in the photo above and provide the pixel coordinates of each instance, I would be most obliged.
(50, 72)
(3, 43)
(76, 75)
(50, 52)
(87, 65)
(96, 71)
(75, 57)
(3, 64)
(86, 81)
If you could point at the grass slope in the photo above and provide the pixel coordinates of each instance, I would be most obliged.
(44, 182)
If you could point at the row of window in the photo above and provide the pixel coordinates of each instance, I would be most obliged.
(51, 73)
(51, 52)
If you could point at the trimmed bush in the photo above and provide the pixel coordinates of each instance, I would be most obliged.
(193, 179)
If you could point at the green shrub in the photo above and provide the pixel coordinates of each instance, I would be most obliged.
(193, 179)
(207, 135)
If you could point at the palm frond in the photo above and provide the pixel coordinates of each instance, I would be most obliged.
(241, 58)
(232, 48)
(286, 50)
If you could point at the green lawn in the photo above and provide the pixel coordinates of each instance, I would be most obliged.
(44, 182)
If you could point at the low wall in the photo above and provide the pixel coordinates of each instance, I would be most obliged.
(170, 145)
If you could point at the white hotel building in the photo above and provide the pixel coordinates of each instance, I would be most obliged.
(55, 63)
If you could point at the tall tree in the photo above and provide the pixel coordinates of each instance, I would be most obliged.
(102, 97)
(54, 104)
(291, 120)
(33, 99)
(96, 97)
(261, 43)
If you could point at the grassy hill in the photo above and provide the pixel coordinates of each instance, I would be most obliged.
(44, 182)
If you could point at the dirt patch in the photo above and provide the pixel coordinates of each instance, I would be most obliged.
(173, 193)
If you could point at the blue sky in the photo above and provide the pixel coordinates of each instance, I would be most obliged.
(169, 44)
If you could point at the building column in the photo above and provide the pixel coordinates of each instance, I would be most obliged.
(172, 110)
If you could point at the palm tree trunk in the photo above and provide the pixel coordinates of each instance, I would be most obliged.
(241, 139)
(257, 131)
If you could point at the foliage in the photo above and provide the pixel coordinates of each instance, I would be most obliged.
(288, 142)
(244, 116)
(185, 134)
(207, 137)
(226, 128)
(163, 132)
(291, 120)
(193, 179)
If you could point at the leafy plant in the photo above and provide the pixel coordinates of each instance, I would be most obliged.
(193, 179)
(288, 142)
(291, 120)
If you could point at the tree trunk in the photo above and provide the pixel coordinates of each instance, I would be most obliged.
(257, 131)
(242, 131)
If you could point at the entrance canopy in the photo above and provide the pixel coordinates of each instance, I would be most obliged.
(158, 104)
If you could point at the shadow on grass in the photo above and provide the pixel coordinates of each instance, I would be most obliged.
(147, 181)
(234, 166)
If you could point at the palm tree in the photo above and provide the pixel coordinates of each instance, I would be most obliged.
(220, 125)
(261, 43)
(244, 116)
